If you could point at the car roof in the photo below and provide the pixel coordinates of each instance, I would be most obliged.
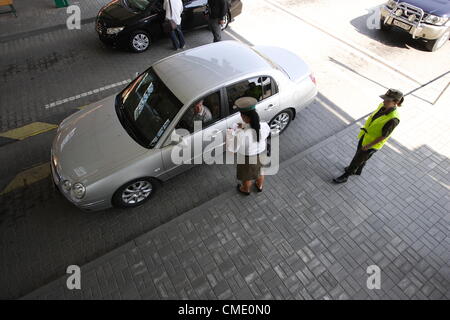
(194, 72)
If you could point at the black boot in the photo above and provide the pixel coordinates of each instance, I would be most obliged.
(358, 172)
(341, 179)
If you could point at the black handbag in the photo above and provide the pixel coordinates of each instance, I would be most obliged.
(169, 25)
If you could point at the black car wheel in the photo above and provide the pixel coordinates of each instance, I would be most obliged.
(281, 121)
(134, 193)
(434, 45)
(226, 22)
(139, 41)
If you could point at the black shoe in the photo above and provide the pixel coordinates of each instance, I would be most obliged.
(258, 188)
(341, 179)
(358, 172)
(243, 192)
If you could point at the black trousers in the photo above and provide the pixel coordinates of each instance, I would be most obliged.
(359, 160)
(214, 26)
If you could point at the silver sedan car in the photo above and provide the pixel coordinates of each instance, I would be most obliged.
(115, 152)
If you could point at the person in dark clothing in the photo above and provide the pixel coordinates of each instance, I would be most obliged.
(217, 10)
(376, 131)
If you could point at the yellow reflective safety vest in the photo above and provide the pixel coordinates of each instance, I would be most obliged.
(372, 130)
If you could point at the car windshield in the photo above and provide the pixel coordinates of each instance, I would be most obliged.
(149, 107)
(138, 4)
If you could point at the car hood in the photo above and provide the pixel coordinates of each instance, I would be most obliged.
(292, 64)
(437, 7)
(116, 13)
(93, 140)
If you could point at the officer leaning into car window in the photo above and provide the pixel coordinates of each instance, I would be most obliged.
(376, 131)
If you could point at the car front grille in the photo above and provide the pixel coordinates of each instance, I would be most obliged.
(407, 11)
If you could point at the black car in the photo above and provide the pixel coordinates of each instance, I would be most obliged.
(136, 24)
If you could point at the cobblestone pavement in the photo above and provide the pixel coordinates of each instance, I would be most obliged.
(36, 16)
(41, 232)
(302, 238)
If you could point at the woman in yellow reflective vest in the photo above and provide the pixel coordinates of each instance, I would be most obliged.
(375, 133)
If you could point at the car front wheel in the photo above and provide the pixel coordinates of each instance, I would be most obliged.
(139, 41)
(281, 121)
(434, 45)
(226, 22)
(134, 193)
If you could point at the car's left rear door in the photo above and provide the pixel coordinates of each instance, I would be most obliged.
(193, 13)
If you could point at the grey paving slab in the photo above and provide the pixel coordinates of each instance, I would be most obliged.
(324, 267)
(40, 16)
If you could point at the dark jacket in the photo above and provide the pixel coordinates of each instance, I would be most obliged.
(217, 8)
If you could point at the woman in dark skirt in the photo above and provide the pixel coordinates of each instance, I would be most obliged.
(251, 143)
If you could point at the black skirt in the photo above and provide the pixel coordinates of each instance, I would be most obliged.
(250, 170)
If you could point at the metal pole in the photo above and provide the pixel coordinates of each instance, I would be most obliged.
(424, 85)
(446, 87)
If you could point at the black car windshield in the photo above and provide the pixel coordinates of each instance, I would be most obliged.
(149, 107)
(138, 4)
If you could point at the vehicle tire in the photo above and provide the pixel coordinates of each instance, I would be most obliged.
(281, 121)
(226, 22)
(434, 45)
(134, 193)
(139, 41)
(385, 27)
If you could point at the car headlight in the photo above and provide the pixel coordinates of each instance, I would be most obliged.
(432, 19)
(114, 30)
(391, 4)
(66, 185)
(78, 190)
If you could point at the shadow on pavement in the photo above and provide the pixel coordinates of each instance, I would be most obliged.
(392, 38)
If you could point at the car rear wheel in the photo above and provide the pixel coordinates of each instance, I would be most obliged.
(226, 22)
(134, 193)
(281, 121)
(139, 41)
(434, 45)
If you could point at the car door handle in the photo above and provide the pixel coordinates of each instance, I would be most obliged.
(269, 107)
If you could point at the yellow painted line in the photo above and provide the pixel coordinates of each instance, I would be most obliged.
(29, 130)
(81, 108)
(28, 177)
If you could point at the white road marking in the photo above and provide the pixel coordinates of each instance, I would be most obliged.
(85, 94)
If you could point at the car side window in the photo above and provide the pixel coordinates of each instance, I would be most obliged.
(269, 87)
(246, 88)
(205, 112)
(259, 88)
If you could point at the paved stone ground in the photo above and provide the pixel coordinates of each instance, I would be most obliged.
(41, 234)
(35, 16)
(302, 238)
